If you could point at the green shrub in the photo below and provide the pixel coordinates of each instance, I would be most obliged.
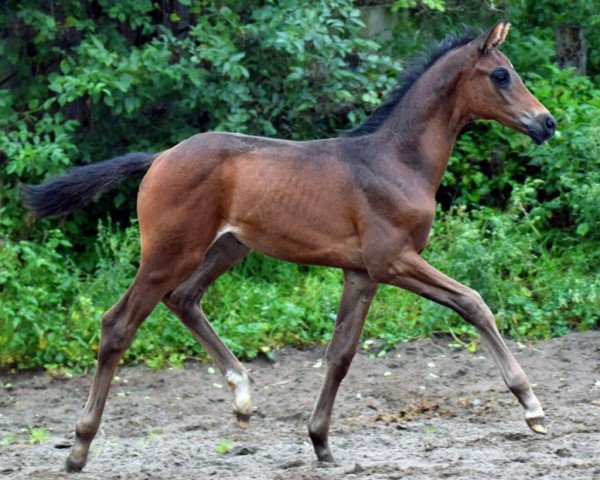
(37, 290)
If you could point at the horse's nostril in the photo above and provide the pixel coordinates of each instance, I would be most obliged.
(550, 123)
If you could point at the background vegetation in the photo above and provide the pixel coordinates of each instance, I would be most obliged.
(81, 81)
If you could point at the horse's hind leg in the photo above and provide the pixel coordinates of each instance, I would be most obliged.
(359, 291)
(158, 274)
(183, 301)
(119, 325)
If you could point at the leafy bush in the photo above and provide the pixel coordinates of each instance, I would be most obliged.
(37, 289)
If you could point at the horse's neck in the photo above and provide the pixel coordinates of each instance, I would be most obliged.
(424, 126)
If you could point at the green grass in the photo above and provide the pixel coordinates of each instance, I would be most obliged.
(38, 435)
(7, 440)
(224, 446)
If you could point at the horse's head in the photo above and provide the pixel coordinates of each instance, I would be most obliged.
(493, 89)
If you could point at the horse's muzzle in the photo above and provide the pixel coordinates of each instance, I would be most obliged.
(541, 128)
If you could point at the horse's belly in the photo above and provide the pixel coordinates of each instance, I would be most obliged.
(309, 248)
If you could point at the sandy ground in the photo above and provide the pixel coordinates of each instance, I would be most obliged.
(423, 411)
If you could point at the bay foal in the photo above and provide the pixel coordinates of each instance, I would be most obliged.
(363, 202)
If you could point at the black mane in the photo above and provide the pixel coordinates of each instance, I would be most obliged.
(407, 79)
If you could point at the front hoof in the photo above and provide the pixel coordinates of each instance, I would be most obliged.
(243, 420)
(537, 424)
(77, 458)
(74, 466)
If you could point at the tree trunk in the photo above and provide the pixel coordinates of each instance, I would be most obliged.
(571, 50)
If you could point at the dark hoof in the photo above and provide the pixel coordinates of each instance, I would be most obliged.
(243, 420)
(322, 451)
(537, 424)
(74, 467)
(321, 446)
(324, 455)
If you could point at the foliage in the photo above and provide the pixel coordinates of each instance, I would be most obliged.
(224, 446)
(550, 14)
(7, 440)
(38, 435)
(80, 82)
(407, 4)
(533, 25)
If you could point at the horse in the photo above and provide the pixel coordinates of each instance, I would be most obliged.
(363, 202)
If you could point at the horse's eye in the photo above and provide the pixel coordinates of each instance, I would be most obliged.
(501, 77)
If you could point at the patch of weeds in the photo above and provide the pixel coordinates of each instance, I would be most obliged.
(223, 446)
(58, 371)
(38, 435)
(157, 362)
(176, 360)
(7, 440)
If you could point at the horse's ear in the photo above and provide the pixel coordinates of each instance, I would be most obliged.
(493, 37)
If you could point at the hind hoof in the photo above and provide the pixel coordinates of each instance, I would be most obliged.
(324, 456)
(537, 424)
(243, 420)
(321, 447)
(323, 453)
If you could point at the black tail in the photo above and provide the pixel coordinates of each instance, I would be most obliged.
(69, 191)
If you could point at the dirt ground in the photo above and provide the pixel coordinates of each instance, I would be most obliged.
(423, 411)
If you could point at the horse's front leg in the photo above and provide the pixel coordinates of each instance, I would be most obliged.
(359, 291)
(412, 273)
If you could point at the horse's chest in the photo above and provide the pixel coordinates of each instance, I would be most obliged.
(405, 214)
